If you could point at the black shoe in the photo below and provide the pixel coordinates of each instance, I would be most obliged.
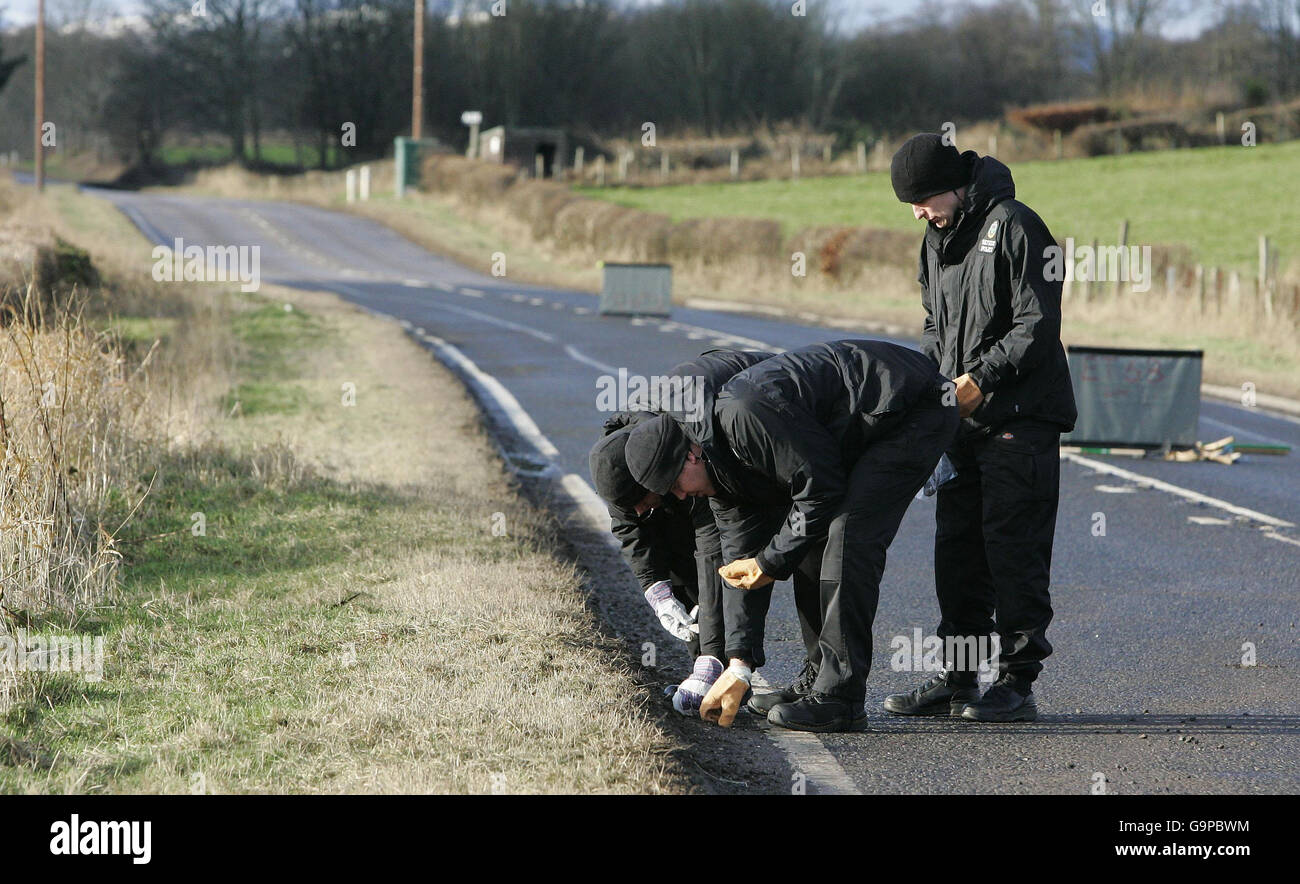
(761, 704)
(819, 713)
(938, 696)
(1002, 702)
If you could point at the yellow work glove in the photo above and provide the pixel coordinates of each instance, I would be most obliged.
(744, 574)
(722, 702)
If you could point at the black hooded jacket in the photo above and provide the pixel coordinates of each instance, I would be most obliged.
(990, 310)
(789, 429)
(650, 542)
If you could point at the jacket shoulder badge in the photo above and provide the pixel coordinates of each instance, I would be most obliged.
(990, 240)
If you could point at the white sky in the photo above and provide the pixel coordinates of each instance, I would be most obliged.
(1191, 16)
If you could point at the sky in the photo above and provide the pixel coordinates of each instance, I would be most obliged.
(856, 13)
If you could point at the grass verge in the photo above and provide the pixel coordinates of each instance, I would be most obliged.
(334, 587)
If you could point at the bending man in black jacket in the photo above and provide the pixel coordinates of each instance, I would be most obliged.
(843, 434)
(993, 324)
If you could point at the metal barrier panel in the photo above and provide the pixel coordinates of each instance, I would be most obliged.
(1137, 398)
(637, 290)
(407, 154)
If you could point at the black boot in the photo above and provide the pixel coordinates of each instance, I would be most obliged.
(819, 713)
(1007, 700)
(941, 695)
(761, 704)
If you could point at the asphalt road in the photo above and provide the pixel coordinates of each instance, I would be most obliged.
(1146, 687)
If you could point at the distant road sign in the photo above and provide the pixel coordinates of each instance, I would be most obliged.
(637, 290)
(1142, 398)
(471, 118)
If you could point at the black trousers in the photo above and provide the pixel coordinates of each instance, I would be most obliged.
(881, 485)
(693, 563)
(747, 530)
(993, 545)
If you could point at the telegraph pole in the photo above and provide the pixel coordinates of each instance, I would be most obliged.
(417, 86)
(40, 94)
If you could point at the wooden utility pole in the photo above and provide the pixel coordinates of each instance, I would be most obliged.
(40, 94)
(417, 73)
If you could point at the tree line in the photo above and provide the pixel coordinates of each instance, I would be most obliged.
(255, 72)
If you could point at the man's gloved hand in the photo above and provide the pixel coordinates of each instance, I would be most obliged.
(671, 613)
(745, 574)
(722, 702)
(690, 693)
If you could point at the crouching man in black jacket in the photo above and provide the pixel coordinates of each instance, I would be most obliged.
(993, 324)
(672, 546)
(845, 433)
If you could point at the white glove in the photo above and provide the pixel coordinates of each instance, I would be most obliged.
(671, 613)
(690, 693)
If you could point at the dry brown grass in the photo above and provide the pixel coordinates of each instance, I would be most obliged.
(69, 429)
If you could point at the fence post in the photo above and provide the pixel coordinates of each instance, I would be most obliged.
(1265, 282)
(735, 163)
(1220, 126)
(794, 158)
(664, 165)
(350, 185)
(1067, 284)
(365, 183)
(1123, 246)
(862, 156)
(600, 170)
(578, 156)
(1090, 293)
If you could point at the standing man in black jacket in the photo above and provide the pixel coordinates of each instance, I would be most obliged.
(993, 325)
(839, 435)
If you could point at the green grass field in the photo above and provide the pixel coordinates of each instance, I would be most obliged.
(1215, 201)
(274, 152)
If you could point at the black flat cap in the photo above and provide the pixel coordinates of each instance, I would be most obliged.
(656, 454)
(925, 166)
(609, 472)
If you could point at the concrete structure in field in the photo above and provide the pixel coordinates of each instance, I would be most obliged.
(522, 145)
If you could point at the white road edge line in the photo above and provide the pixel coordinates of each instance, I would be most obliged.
(806, 753)
(809, 756)
(1196, 496)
